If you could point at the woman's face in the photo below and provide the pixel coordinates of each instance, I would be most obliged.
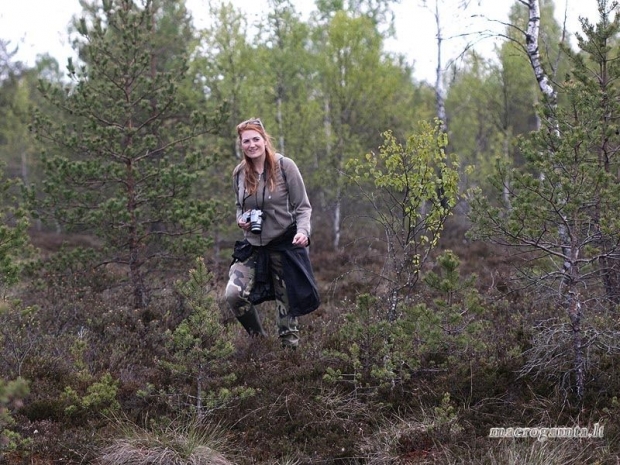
(252, 144)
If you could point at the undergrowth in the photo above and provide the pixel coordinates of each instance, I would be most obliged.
(111, 385)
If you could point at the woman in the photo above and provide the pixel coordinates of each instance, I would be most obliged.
(272, 262)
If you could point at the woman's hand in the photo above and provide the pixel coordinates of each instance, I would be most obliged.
(301, 239)
(245, 225)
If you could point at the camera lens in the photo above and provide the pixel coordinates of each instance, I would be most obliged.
(256, 221)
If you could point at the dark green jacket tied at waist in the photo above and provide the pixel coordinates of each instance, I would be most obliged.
(301, 288)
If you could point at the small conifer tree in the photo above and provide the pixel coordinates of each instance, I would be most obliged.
(123, 169)
(201, 345)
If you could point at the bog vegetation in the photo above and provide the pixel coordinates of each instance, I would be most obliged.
(466, 247)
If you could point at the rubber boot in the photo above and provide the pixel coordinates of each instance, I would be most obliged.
(251, 322)
(288, 331)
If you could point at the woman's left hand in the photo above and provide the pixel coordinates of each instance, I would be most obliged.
(300, 239)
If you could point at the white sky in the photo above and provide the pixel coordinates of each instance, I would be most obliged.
(40, 26)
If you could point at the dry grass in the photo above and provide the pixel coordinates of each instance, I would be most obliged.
(181, 442)
(533, 452)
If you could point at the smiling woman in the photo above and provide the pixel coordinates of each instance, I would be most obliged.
(272, 262)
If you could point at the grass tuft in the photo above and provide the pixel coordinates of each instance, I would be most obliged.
(177, 443)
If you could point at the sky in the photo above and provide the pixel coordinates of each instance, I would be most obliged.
(40, 26)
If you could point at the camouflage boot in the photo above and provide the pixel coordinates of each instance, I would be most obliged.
(251, 322)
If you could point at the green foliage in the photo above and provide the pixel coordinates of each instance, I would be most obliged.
(98, 400)
(563, 212)
(19, 328)
(366, 347)
(227, 67)
(419, 171)
(439, 332)
(410, 190)
(78, 350)
(446, 417)
(14, 241)
(289, 74)
(201, 344)
(570, 188)
(11, 395)
(124, 168)
(376, 10)
(491, 100)
(380, 353)
(16, 143)
(479, 128)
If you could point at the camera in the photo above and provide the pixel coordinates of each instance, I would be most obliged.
(255, 218)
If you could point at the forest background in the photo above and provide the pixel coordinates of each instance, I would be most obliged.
(465, 241)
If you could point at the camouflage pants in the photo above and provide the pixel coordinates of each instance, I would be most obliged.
(240, 282)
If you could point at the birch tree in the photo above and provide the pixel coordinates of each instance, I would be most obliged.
(289, 78)
(564, 210)
(357, 82)
(223, 65)
(401, 185)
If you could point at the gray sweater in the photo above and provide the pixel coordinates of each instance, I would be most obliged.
(287, 204)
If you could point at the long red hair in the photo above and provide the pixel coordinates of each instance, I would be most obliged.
(271, 165)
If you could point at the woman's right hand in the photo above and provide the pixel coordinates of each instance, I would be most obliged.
(245, 225)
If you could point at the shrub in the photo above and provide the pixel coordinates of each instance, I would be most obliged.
(11, 393)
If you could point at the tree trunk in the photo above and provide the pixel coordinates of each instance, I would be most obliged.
(137, 281)
(506, 182)
(570, 252)
(199, 392)
(135, 263)
(440, 93)
(575, 315)
(279, 119)
(610, 275)
(336, 228)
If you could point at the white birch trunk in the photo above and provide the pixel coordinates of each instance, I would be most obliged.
(337, 213)
(327, 128)
(569, 293)
(280, 128)
(440, 91)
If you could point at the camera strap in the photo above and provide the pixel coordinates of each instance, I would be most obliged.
(264, 176)
(283, 177)
(255, 195)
